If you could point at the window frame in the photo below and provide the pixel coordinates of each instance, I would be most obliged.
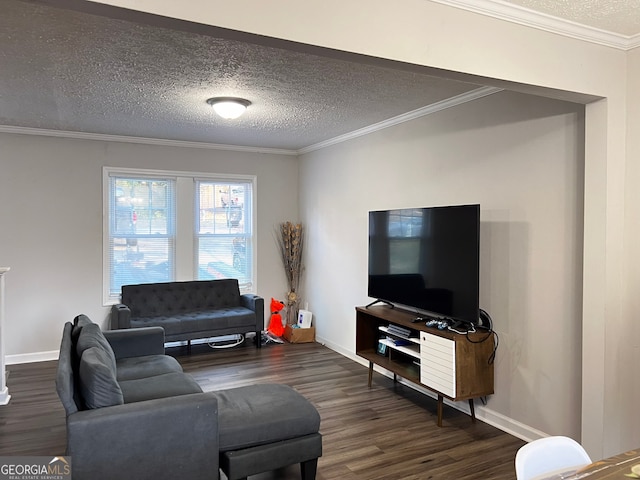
(185, 260)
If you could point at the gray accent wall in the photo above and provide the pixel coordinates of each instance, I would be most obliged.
(521, 158)
(51, 215)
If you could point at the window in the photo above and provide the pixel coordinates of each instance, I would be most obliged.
(223, 231)
(141, 231)
(166, 226)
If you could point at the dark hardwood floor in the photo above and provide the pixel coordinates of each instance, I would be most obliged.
(388, 431)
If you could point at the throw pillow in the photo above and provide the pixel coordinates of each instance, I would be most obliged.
(98, 384)
(79, 322)
(91, 336)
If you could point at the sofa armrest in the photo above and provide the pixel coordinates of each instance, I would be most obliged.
(136, 342)
(120, 316)
(255, 303)
(174, 437)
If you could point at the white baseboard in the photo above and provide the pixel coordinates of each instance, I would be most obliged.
(31, 357)
(483, 413)
(509, 425)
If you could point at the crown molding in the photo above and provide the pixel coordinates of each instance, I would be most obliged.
(542, 21)
(140, 140)
(405, 117)
(634, 41)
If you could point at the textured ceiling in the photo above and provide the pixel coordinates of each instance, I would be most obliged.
(72, 71)
(68, 70)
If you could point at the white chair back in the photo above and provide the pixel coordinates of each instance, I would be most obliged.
(547, 455)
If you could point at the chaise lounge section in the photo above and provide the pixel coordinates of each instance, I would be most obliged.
(133, 413)
(190, 310)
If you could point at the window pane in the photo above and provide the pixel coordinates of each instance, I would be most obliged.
(223, 230)
(222, 208)
(141, 241)
(224, 257)
(144, 260)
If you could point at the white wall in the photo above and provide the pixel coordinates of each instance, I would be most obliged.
(520, 157)
(430, 34)
(434, 35)
(627, 346)
(51, 217)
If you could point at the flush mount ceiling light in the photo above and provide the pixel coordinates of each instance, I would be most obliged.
(229, 107)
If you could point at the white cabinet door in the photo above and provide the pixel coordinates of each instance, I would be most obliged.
(438, 363)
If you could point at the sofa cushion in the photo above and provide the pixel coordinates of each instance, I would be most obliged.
(259, 414)
(132, 368)
(200, 321)
(91, 336)
(98, 383)
(174, 298)
(160, 386)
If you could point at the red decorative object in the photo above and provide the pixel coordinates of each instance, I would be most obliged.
(275, 323)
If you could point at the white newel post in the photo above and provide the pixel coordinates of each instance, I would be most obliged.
(4, 392)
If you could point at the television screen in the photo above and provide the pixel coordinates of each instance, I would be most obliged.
(427, 259)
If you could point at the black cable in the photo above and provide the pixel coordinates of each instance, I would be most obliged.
(490, 333)
(492, 357)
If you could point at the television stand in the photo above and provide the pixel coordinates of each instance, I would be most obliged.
(442, 361)
(380, 301)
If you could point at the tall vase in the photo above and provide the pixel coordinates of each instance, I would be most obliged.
(292, 308)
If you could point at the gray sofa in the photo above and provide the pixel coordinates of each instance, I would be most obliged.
(133, 413)
(190, 310)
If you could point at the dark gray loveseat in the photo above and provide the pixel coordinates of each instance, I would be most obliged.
(133, 413)
(190, 310)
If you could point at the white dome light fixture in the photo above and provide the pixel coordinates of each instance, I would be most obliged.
(229, 107)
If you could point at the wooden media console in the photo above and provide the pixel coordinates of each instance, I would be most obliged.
(453, 365)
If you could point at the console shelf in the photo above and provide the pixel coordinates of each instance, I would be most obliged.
(452, 365)
(412, 349)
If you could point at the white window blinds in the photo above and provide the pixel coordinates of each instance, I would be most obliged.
(141, 237)
(223, 230)
(163, 226)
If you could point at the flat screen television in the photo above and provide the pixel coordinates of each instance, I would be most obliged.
(427, 259)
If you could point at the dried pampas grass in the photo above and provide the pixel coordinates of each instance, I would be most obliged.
(290, 239)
